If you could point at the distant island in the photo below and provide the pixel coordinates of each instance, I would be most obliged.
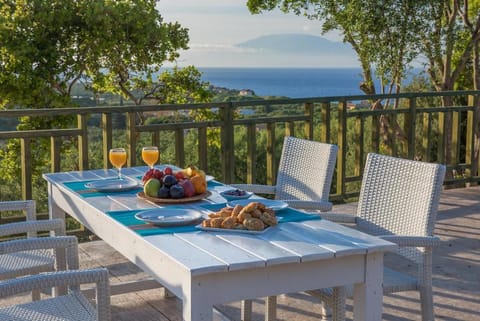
(298, 44)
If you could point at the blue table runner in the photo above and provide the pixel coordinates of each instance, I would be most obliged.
(127, 218)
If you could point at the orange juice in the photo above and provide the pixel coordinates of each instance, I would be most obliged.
(150, 155)
(118, 157)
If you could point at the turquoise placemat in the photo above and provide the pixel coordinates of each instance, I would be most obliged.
(127, 218)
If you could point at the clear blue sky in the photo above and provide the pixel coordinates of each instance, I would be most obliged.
(216, 26)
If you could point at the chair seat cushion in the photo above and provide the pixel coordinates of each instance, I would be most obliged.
(25, 263)
(71, 307)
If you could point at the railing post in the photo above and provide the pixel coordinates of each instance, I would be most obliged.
(82, 142)
(325, 123)
(131, 138)
(26, 159)
(359, 146)
(228, 152)
(251, 153)
(309, 122)
(410, 126)
(342, 147)
(472, 128)
(202, 148)
(179, 147)
(271, 161)
(55, 145)
(107, 138)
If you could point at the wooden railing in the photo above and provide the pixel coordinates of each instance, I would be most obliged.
(417, 131)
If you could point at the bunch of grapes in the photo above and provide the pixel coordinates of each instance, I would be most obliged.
(153, 173)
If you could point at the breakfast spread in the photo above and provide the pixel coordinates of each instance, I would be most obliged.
(254, 216)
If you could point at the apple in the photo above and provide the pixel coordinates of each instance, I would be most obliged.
(151, 187)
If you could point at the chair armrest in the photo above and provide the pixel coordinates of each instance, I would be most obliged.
(256, 188)
(339, 217)
(29, 206)
(68, 243)
(412, 241)
(55, 225)
(53, 279)
(52, 242)
(322, 206)
(72, 279)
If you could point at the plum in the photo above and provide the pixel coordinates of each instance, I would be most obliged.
(177, 191)
(169, 180)
(164, 192)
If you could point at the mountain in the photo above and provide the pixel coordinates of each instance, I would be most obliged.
(297, 43)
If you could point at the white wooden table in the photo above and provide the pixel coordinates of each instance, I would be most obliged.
(208, 268)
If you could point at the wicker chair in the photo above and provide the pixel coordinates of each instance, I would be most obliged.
(28, 261)
(398, 202)
(304, 176)
(304, 179)
(71, 306)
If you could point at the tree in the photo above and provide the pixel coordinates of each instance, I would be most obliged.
(46, 47)
(49, 46)
(384, 34)
(388, 35)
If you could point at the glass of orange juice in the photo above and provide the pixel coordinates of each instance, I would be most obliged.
(118, 158)
(150, 155)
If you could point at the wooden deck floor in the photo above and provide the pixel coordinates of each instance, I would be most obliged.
(456, 275)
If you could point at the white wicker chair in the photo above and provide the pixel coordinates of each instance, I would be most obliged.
(304, 178)
(71, 306)
(28, 261)
(398, 202)
(304, 175)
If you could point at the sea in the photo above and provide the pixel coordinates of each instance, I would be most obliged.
(288, 82)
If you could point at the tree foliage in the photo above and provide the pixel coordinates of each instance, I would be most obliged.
(46, 47)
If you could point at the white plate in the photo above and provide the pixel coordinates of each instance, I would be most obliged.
(112, 185)
(209, 178)
(275, 205)
(229, 230)
(169, 216)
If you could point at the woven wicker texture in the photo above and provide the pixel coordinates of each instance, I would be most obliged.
(398, 202)
(72, 306)
(27, 260)
(304, 179)
(304, 176)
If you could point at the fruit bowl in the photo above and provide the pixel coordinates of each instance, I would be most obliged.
(235, 194)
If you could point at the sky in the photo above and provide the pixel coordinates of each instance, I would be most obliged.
(216, 26)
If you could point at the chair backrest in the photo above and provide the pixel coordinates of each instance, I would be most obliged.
(399, 196)
(305, 170)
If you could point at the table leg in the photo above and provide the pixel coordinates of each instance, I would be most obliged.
(368, 296)
(197, 308)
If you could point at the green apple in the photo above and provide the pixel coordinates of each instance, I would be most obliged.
(151, 187)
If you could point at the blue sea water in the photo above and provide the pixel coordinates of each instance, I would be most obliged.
(289, 82)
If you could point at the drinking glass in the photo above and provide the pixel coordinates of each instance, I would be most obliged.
(150, 155)
(118, 158)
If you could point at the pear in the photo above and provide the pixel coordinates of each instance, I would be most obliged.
(151, 187)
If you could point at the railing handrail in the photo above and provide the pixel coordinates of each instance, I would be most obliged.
(227, 122)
